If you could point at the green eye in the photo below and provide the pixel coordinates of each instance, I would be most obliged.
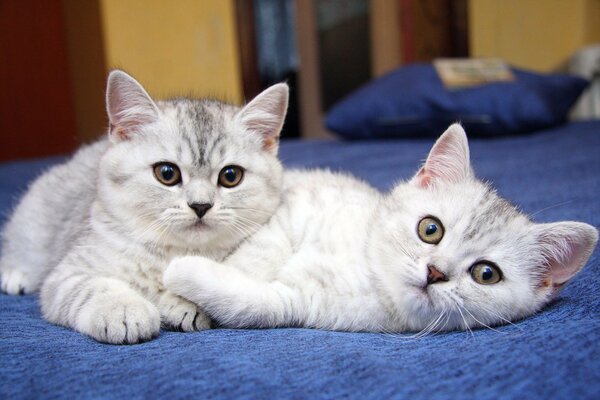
(167, 173)
(231, 176)
(486, 273)
(430, 230)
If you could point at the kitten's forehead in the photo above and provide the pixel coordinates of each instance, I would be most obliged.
(490, 213)
(204, 127)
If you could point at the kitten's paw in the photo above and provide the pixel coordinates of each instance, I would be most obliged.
(181, 315)
(15, 282)
(184, 275)
(121, 321)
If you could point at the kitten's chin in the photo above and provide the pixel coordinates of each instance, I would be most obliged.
(207, 238)
(198, 226)
(423, 300)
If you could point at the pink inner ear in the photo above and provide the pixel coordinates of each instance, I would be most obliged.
(129, 124)
(566, 246)
(565, 264)
(423, 178)
(265, 114)
(117, 132)
(448, 160)
(129, 106)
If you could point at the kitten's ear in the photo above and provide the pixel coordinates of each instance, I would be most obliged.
(566, 246)
(265, 114)
(448, 160)
(128, 105)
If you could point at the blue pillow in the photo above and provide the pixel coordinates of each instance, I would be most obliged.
(413, 101)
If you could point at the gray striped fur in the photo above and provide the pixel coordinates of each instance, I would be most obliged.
(96, 232)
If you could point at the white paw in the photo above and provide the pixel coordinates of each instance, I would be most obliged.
(120, 321)
(15, 282)
(193, 278)
(181, 315)
(183, 274)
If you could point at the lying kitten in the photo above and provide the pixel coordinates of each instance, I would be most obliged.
(172, 178)
(440, 252)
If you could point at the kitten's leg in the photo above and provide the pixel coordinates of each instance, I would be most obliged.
(30, 248)
(105, 308)
(231, 297)
(180, 314)
(16, 281)
(24, 262)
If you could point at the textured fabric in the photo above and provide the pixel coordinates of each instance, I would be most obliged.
(555, 354)
(413, 101)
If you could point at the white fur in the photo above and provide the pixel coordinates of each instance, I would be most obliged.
(97, 232)
(340, 255)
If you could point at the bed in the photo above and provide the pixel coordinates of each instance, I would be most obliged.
(552, 174)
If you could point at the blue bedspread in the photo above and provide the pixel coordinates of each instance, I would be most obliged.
(555, 354)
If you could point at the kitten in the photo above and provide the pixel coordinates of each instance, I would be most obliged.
(440, 252)
(172, 178)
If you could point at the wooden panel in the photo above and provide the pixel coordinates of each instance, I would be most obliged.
(247, 44)
(311, 111)
(432, 29)
(426, 30)
(36, 115)
(385, 36)
(87, 66)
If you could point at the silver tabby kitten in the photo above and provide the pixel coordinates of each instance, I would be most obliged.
(442, 251)
(172, 178)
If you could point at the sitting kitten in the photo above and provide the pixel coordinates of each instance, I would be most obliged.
(172, 178)
(440, 252)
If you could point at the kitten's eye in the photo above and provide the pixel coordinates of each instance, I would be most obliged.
(430, 230)
(231, 176)
(485, 273)
(167, 173)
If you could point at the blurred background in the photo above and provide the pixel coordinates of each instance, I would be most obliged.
(55, 54)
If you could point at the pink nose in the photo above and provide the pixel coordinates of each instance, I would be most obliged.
(435, 275)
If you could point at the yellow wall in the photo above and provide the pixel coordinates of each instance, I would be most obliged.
(183, 47)
(536, 34)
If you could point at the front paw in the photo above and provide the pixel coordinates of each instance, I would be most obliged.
(126, 320)
(17, 282)
(178, 314)
(182, 274)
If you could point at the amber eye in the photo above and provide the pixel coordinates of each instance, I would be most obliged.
(231, 176)
(167, 173)
(430, 230)
(486, 273)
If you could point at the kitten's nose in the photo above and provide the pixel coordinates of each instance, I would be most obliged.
(435, 275)
(200, 208)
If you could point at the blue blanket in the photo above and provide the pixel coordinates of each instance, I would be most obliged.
(555, 354)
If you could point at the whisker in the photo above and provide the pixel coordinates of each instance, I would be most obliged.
(446, 320)
(481, 323)
(254, 210)
(497, 315)
(466, 324)
(397, 243)
(550, 207)
(430, 327)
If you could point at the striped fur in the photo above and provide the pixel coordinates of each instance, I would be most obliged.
(340, 255)
(96, 232)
